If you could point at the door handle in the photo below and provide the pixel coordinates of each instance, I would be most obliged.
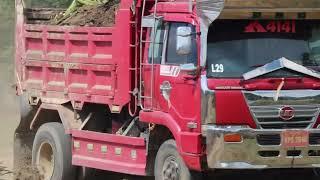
(165, 86)
(165, 89)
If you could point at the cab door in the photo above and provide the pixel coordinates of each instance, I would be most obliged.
(177, 87)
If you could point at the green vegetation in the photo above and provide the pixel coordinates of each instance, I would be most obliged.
(78, 3)
(72, 9)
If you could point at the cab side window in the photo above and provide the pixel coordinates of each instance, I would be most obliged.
(157, 45)
(172, 57)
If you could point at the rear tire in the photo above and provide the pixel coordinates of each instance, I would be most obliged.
(51, 153)
(170, 166)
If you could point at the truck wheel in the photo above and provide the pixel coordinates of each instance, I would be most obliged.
(51, 153)
(170, 166)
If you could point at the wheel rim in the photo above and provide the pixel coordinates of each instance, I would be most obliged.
(171, 169)
(45, 161)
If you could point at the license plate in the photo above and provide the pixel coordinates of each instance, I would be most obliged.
(295, 138)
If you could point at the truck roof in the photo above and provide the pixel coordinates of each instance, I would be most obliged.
(245, 9)
(239, 9)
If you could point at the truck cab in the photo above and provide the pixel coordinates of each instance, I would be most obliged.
(261, 89)
(268, 117)
(252, 92)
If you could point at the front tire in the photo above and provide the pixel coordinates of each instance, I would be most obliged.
(51, 153)
(170, 166)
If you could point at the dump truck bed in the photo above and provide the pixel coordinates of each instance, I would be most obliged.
(73, 63)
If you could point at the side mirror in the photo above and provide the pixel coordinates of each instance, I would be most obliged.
(184, 40)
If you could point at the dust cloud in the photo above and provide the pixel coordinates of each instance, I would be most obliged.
(8, 100)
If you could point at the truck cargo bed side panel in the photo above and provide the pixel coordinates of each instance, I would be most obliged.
(85, 64)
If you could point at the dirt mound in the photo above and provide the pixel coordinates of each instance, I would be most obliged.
(98, 16)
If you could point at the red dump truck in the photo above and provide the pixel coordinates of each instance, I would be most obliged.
(172, 89)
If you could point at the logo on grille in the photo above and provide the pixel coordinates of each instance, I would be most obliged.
(286, 113)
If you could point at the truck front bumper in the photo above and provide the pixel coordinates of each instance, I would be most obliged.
(254, 152)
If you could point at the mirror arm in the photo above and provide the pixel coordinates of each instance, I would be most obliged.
(189, 77)
(193, 75)
(187, 35)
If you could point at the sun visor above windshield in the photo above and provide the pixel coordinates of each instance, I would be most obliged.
(272, 5)
(208, 11)
(277, 65)
(287, 9)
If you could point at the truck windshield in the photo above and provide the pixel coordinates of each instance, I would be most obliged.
(238, 46)
(47, 3)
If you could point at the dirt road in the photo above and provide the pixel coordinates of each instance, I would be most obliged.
(8, 106)
(9, 117)
(228, 175)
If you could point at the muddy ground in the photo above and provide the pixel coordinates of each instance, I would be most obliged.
(9, 118)
(8, 105)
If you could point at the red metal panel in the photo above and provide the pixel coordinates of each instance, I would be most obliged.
(191, 142)
(188, 143)
(69, 44)
(173, 7)
(86, 64)
(109, 152)
(132, 141)
(193, 161)
(231, 108)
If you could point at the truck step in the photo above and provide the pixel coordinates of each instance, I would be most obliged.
(109, 152)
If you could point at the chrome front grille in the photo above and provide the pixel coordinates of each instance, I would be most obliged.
(267, 117)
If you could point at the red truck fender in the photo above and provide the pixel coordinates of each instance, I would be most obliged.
(189, 144)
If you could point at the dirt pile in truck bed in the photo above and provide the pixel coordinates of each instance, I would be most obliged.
(98, 16)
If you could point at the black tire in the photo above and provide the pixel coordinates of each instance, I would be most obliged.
(52, 142)
(179, 170)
